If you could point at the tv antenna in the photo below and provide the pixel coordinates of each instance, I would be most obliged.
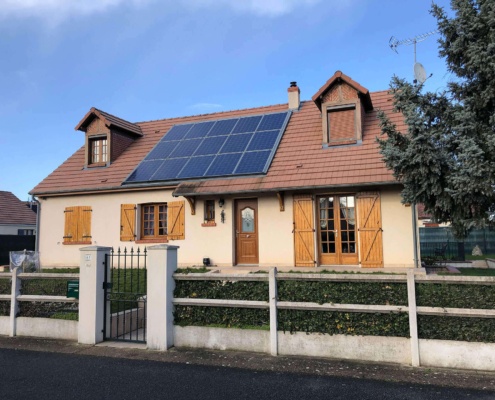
(419, 70)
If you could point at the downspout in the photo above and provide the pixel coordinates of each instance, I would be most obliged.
(38, 214)
(415, 235)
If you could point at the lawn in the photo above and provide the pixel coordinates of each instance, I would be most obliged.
(477, 271)
(483, 257)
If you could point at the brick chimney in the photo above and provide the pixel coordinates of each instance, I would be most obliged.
(294, 96)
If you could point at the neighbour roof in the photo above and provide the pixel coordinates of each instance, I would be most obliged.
(299, 162)
(109, 120)
(14, 211)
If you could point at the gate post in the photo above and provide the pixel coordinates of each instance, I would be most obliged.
(91, 294)
(161, 265)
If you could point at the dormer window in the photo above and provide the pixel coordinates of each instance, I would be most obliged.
(107, 137)
(98, 150)
(341, 125)
(343, 104)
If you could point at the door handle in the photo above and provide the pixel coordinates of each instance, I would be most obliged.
(248, 236)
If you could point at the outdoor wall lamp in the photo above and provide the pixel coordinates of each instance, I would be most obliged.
(222, 216)
(221, 202)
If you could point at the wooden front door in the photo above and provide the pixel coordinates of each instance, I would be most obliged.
(337, 230)
(246, 231)
(304, 231)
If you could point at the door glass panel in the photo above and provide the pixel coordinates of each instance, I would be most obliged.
(247, 217)
(327, 225)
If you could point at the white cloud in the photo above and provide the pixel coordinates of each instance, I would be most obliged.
(271, 8)
(55, 11)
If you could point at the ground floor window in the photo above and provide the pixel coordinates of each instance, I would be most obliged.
(154, 221)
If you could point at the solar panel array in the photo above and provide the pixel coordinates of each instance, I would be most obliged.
(228, 147)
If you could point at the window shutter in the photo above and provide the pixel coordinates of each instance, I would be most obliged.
(370, 229)
(70, 228)
(176, 217)
(127, 222)
(84, 231)
(304, 240)
(341, 126)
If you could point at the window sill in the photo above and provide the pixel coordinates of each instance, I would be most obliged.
(82, 242)
(209, 223)
(140, 241)
(97, 165)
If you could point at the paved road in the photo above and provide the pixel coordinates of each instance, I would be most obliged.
(42, 375)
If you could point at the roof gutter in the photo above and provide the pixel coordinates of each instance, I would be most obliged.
(38, 216)
(114, 189)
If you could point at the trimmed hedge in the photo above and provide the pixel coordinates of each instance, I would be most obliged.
(455, 295)
(4, 308)
(372, 293)
(5, 286)
(375, 293)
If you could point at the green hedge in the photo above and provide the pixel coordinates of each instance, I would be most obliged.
(222, 316)
(5, 286)
(378, 293)
(455, 295)
(335, 323)
(4, 308)
(241, 290)
(372, 293)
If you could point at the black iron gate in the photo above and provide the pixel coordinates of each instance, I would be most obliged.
(125, 293)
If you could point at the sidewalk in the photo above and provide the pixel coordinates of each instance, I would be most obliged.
(262, 362)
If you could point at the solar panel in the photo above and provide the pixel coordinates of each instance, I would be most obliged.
(177, 132)
(186, 148)
(224, 164)
(252, 162)
(223, 127)
(236, 143)
(263, 140)
(199, 130)
(228, 147)
(210, 145)
(196, 167)
(272, 121)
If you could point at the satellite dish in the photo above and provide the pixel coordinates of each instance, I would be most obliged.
(419, 73)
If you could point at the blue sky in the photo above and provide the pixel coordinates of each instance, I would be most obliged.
(151, 59)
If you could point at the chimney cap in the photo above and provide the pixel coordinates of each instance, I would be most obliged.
(293, 84)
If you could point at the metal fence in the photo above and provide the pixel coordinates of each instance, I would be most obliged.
(441, 242)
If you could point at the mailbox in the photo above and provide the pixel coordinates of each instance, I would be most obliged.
(73, 289)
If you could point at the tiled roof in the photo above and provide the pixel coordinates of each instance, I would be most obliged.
(14, 211)
(365, 94)
(109, 120)
(300, 161)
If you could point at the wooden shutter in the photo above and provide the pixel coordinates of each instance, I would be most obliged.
(176, 217)
(370, 229)
(341, 125)
(127, 222)
(70, 227)
(84, 224)
(304, 240)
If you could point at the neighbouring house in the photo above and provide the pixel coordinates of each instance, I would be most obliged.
(295, 184)
(16, 218)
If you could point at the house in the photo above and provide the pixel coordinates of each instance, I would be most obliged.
(295, 184)
(16, 218)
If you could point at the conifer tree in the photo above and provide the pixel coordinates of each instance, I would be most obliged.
(446, 159)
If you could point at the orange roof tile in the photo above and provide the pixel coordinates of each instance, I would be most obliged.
(13, 211)
(300, 160)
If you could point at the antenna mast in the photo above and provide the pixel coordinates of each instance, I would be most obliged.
(394, 43)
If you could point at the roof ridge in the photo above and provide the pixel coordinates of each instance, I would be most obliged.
(213, 113)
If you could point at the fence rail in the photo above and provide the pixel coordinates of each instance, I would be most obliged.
(274, 305)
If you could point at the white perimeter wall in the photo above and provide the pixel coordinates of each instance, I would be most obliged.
(433, 353)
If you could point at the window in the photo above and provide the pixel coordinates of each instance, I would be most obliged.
(25, 232)
(341, 125)
(154, 221)
(77, 225)
(98, 150)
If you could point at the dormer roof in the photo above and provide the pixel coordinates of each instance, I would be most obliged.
(338, 77)
(109, 120)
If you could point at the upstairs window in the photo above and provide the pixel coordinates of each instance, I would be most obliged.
(98, 151)
(341, 125)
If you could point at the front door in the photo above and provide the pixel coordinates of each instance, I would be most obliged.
(246, 229)
(337, 230)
